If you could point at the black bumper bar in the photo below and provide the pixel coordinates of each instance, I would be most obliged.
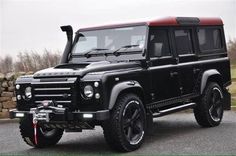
(63, 115)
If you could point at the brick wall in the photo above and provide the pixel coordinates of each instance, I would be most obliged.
(7, 92)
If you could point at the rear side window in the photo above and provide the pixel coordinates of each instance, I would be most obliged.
(183, 42)
(209, 39)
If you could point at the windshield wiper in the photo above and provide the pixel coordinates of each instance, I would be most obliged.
(117, 53)
(88, 54)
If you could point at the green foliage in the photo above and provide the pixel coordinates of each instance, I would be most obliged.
(232, 88)
(233, 102)
(233, 72)
(231, 45)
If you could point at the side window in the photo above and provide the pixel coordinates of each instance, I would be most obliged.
(209, 39)
(183, 42)
(159, 43)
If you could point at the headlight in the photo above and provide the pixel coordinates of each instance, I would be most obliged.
(88, 91)
(28, 93)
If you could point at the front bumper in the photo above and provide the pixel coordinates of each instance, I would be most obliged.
(53, 115)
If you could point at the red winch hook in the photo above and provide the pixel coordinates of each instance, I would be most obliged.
(35, 131)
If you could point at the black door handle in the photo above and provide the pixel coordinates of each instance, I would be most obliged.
(172, 74)
(195, 70)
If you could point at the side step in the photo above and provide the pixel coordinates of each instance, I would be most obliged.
(73, 130)
(174, 109)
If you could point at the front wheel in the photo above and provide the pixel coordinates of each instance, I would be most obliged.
(125, 130)
(45, 136)
(209, 109)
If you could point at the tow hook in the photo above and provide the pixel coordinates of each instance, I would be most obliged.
(40, 115)
(35, 121)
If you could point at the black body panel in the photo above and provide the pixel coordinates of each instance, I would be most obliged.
(160, 81)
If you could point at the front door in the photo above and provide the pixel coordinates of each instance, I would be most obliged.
(163, 68)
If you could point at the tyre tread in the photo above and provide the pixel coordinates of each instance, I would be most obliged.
(201, 111)
(27, 133)
(111, 128)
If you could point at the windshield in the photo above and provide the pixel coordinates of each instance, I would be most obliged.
(110, 40)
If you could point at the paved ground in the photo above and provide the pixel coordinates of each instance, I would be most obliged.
(173, 134)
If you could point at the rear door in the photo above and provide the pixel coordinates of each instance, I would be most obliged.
(187, 68)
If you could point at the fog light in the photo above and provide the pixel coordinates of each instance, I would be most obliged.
(97, 95)
(17, 86)
(87, 115)
(20, 115)
(18, 97)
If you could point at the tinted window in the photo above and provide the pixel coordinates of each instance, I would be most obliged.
(183, 42)
(111, 39)
(159, 43)
(209, 39)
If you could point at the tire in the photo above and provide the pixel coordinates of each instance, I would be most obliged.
(46, 137)
(125, 130)
(209, 110)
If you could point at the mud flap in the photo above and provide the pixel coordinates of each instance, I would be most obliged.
(149, 124)
(227, 100)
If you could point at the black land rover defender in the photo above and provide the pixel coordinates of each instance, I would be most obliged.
(122, 76)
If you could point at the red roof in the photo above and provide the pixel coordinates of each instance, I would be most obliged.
(166, 21)
(210, 21)
(173, 21)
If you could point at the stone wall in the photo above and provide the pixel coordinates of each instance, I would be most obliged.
(7, 92)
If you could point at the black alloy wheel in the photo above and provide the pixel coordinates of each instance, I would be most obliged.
(125, 130)
(133, 122)
(216, 107)
(209, 110)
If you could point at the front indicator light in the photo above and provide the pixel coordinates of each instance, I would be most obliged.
(97, 95)
(18, 97)
(17, 87)
(96, 84)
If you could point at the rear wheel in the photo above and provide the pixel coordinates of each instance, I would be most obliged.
(125, 130)
(45, 136)
(209, 111)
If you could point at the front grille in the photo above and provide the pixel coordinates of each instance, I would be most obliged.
(61, 92)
